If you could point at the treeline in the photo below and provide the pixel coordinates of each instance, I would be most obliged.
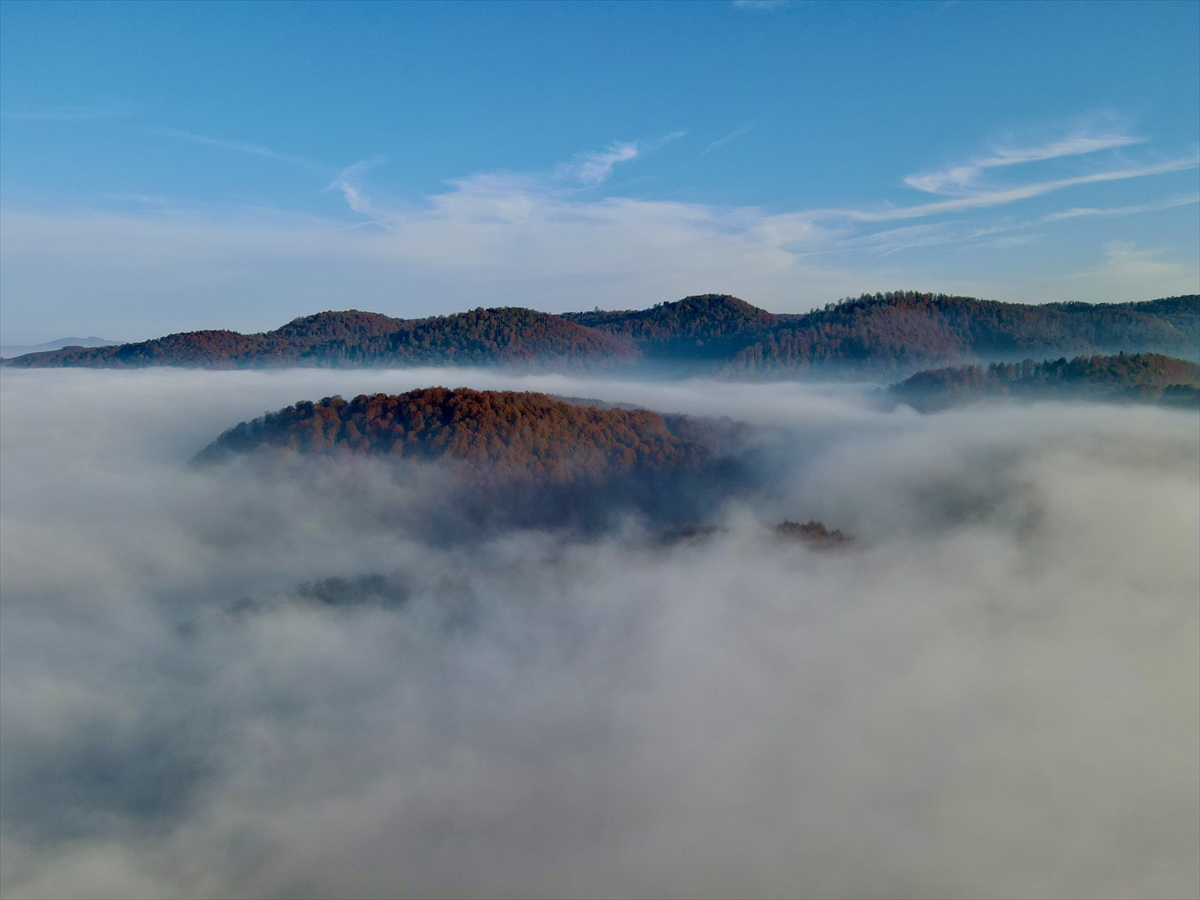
(1140, 377)
(717, 334)
(504, 434)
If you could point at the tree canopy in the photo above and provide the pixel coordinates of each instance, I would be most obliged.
(506, 433)
(1143, 377)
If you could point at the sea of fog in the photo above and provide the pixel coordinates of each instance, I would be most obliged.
(994, 692)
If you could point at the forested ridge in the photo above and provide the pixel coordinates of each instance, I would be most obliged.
(502, 336)
(505, 433)
(716, 334)
(1141, 377)
(893, 332)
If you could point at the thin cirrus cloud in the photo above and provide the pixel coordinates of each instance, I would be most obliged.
(1002, 196)
(244, 147)
(960, 179)
(596, 167)
(495, 204)
(760, 5)
(732, 136)
(349, 182)
(933, 234)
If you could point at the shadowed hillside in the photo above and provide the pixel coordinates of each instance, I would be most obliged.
(901, 331)
(1139, 377)
(893, 332)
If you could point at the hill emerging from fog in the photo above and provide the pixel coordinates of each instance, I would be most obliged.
(711, 334)
(509, 432)
(504, 458)
(1138, 377)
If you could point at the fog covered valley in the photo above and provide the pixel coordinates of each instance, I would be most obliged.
(307, 677)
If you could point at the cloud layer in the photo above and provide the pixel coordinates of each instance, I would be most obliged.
(995, 694)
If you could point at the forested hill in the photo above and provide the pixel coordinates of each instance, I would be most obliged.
(1138, 377)
(503, 433)
(881, 335)
(502, 336)
(705, 327)
(893, 332)
(902, 331)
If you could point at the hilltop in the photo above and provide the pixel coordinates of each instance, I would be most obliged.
(713, 334)
(705, 327)
(499, 458)
(515, 433)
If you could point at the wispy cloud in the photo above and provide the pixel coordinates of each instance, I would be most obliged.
(1116, 211)
(933, 234)
(761, 5)
(998, 197)
(596, 167)
(957, 180)
(733, 135)
(349, 182)
(245, 147)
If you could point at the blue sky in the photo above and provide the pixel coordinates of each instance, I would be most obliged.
(177, 166)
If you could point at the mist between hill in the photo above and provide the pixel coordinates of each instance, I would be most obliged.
(241, 682)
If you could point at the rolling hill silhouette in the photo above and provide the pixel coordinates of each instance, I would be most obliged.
(713, 334)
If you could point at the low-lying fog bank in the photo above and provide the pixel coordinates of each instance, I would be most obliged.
(995, 692)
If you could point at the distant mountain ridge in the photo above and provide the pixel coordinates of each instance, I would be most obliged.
(712, 334)
(10, 350)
